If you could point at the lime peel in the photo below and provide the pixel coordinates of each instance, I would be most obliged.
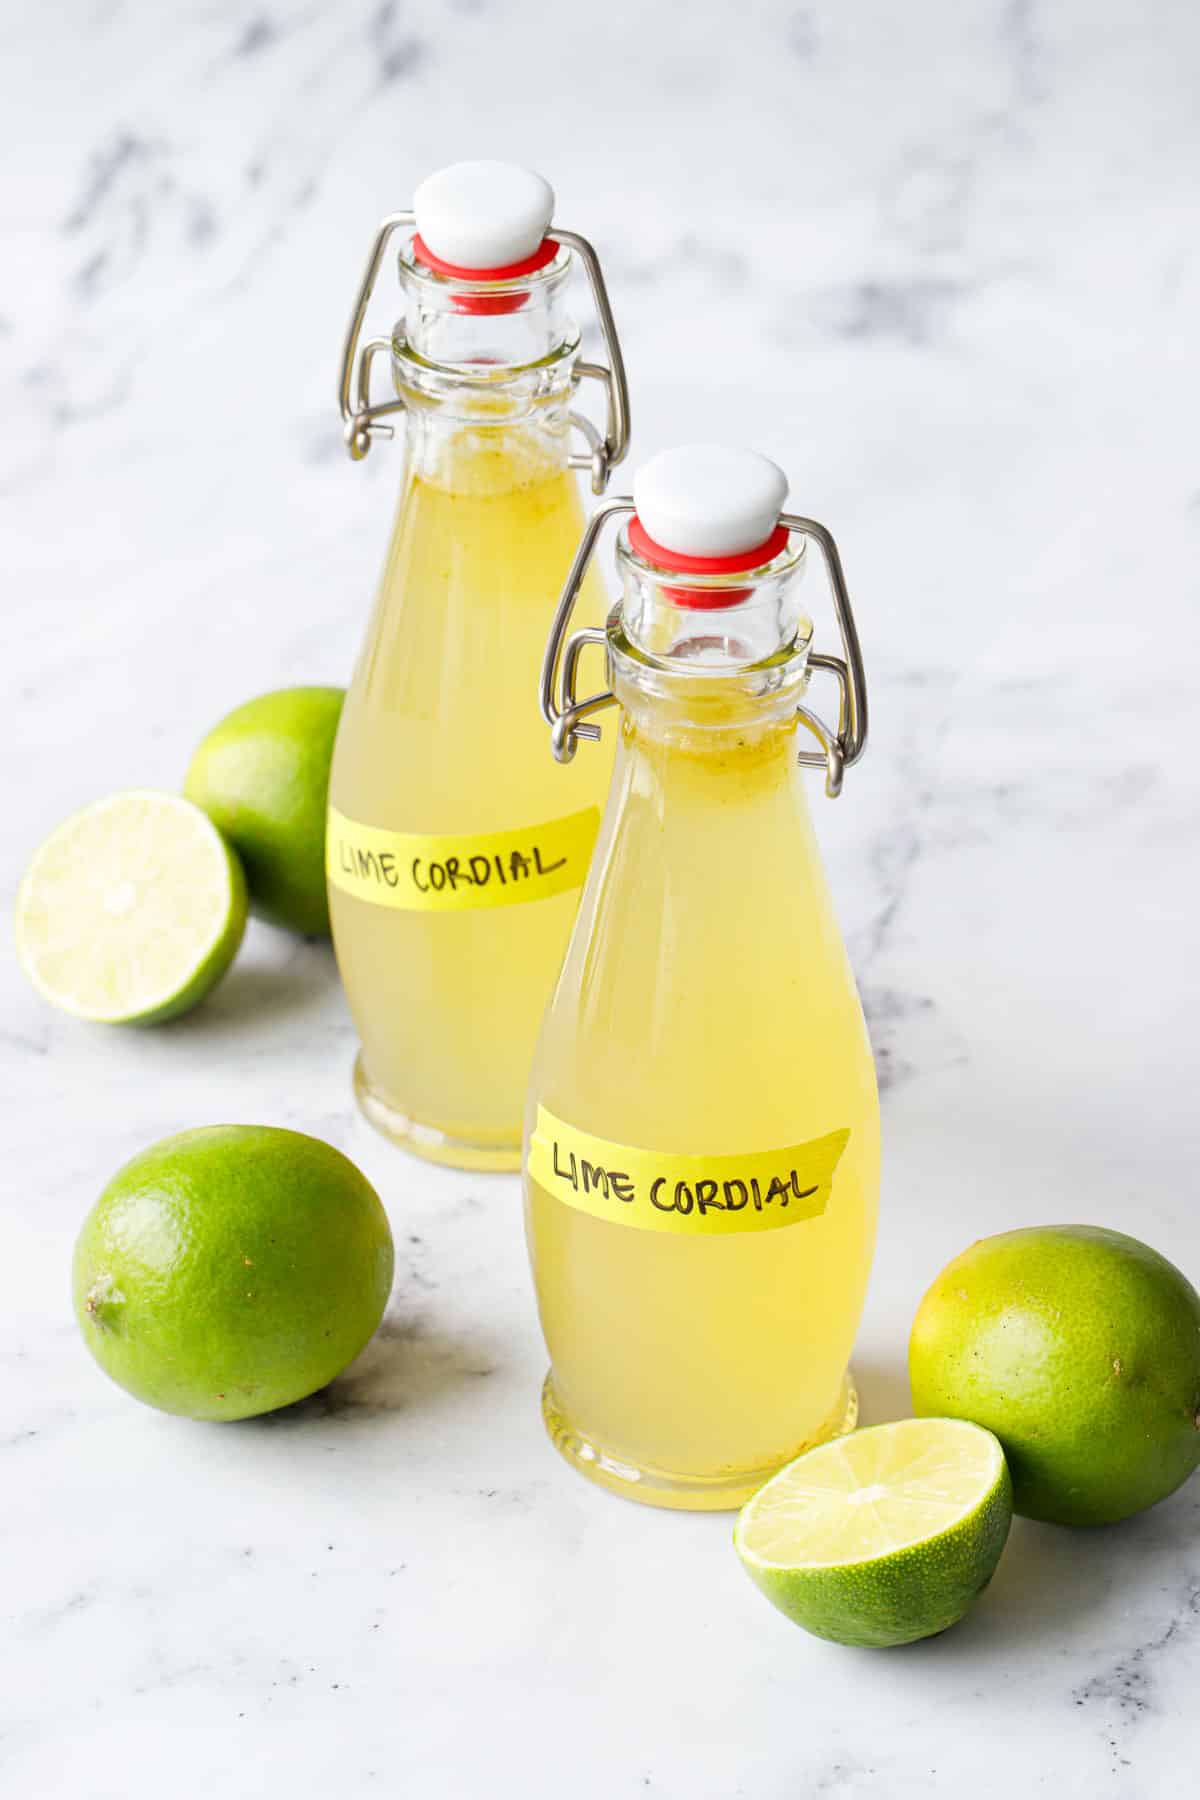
(1080, 1348)
(231, 1270)
(882, 1537)
(262, 776)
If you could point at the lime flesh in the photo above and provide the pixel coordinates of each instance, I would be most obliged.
(882, 1537)
(231, 1270)
(1080, 1348)
(131, 911)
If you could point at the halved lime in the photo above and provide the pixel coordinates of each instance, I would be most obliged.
(882, 1537)
(131, 910)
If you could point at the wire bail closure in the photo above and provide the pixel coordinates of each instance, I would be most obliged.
(363, 421)
(569, 718)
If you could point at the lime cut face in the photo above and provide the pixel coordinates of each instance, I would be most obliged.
(882, 1537)
(131, 911)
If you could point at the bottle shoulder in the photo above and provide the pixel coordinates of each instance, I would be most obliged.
(707, 980)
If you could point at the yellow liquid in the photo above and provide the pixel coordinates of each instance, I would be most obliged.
(441, 733)
(706, 1004)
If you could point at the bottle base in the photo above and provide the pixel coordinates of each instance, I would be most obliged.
(428, 1141)
(685, 1493)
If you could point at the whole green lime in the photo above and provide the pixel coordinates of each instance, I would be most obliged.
(229, 1271)
(1080, 1349)
(262, 776)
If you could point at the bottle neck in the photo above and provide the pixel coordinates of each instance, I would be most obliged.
(704, 775)
(483, 451)
(459, 321)
(486, 372)
(712, 623)
(702, 714)
(710, 661)
(477, 344)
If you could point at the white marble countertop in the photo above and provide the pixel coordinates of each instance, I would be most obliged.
(941, 262)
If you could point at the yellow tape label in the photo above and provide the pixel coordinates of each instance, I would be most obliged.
(455, 873)
(659, 1190)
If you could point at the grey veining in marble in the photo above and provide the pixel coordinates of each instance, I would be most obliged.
(940, 261)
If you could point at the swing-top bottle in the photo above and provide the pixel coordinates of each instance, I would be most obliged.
(702, 1151)
(454, 856)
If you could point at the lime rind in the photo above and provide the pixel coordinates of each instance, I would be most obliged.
(1079, 1347)
(231, 1270)
(883, 1537)
(131, 910)
(262, 776)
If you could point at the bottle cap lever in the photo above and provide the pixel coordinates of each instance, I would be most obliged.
(362, 421)
(569, 718)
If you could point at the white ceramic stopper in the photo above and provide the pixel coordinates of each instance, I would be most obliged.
(483, 215)
(709, 499)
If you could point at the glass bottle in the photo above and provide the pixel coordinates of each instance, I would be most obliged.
(454, 857)
(702, 1131)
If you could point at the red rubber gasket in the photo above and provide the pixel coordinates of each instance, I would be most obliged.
(677, 564)
(674, 562)
(545, 253)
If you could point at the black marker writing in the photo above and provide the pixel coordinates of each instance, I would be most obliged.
(586, 1177)
(706, 1195)
(453, 872)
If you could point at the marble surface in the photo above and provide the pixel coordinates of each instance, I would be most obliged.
(940, 262)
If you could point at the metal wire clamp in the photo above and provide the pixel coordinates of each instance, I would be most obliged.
(840, 749)
(569, 718)
(362, 421)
